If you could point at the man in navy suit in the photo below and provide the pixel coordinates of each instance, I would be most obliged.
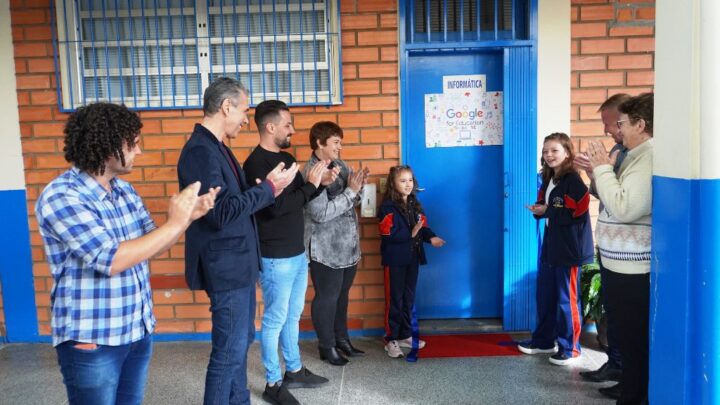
(222, 255)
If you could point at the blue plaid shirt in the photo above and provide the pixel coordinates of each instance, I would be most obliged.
(82, 225)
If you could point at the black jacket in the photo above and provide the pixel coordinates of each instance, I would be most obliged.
(221, 248)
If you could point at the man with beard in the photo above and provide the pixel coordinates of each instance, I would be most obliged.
(284, 266)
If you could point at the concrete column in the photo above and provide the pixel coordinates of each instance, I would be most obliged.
(685, 282)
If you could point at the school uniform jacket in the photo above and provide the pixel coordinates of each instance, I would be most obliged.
(396, 243)
(568, 234)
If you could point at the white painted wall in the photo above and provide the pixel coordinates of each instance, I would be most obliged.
(687, 89)
(553, 69)
(11, 162)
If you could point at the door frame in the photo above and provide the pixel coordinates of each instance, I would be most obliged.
(520, 253)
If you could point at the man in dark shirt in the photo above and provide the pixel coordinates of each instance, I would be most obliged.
(284, 266)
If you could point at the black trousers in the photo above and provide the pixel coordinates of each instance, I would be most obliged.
(628, 299)
(402, 283)
(330, 305)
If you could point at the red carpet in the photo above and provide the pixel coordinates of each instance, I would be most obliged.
(477, 345)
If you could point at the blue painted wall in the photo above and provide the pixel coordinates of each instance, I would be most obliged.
(685, 292)
(16, 269)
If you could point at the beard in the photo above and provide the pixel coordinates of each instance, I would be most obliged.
(283, 143)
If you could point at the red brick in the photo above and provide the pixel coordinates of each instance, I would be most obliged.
(631, 31)
(389, 86)
(43, 97)
(35, 114)
(376, 5)
(44, 65)
(304, 121)
(27, 49)
(171, 326)
(347, 6)
(379, 103)
(149, 159)
(641, 78)
(377, 38)
(630, 62)
(27, 17)
(380, 167)
(574, 14)
(167, 266)
(51, 162)
(184, 126)
(362, 152)
(361, 87)
(588, 63)
(378, 70)
(390, 119)
(603, 79)
(388, 20)
(359, 120)
(391, 151)
(349, 72)
(360, 55)
(597, 13)
(38, 33)
(641, 44)
(192, 311)
(32, 81)
(39, 145)
(163, 142)
(589, 112)
(589, 96)
(588, 30)
(389, 54)
(164, 312)
(385, 135)
(590, 46)
(348, 39)
(349, 104)
(645, 13)
(586, 128)
(354, 22)
(624, 14)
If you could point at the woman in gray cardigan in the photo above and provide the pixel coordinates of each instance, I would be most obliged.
(332, 244)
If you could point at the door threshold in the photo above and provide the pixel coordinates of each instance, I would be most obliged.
(460, 326)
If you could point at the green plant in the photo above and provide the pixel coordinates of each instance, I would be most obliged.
(590, 285)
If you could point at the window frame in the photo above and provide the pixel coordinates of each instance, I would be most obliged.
(71, 70)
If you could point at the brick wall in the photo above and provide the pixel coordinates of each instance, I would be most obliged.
(613, 49)
(369, 117)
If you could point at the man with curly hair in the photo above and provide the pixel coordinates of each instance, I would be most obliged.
(98, 237)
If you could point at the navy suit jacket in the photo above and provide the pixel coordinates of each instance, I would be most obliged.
(396, 242)
(221, 248)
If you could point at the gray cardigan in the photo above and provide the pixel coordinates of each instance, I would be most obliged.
(331, 223)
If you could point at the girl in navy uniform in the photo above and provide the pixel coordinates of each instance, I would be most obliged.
(403, 230)
(562, 204)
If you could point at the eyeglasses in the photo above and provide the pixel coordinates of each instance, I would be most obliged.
(619, 122)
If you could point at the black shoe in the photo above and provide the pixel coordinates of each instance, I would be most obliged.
(303, 378)
(278, 394)
(612, 392)
(332, 356)
(348, 349)
(604, 373)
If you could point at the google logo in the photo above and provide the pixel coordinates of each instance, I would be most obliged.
(472, 114)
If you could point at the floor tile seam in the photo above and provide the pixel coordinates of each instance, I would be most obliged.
(342, 384)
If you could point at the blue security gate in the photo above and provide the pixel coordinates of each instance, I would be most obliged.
(474, 195)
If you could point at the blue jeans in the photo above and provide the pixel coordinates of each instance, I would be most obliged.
(107, 374)
(233, 330)
(283, 282)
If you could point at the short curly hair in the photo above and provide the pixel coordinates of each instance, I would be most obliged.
(98, 131)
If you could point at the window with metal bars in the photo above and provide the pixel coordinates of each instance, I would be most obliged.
(150, 54)
(467, 20)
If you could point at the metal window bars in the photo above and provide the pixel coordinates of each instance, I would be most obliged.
(155, 54)
(458, 21)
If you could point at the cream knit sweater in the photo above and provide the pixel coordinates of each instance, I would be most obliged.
(624, 227)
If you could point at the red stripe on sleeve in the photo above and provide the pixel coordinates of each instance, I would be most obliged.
(579, 207)
(386, 225)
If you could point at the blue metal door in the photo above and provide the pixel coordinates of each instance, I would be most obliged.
(463, 196)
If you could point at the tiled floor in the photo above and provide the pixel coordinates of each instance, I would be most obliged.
(29, 375)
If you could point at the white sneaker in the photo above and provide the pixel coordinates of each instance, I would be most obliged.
(393, 349)
(408, 343)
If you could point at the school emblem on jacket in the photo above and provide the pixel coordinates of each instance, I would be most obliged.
(558, 202)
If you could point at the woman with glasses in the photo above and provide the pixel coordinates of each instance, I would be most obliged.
(623, 235)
